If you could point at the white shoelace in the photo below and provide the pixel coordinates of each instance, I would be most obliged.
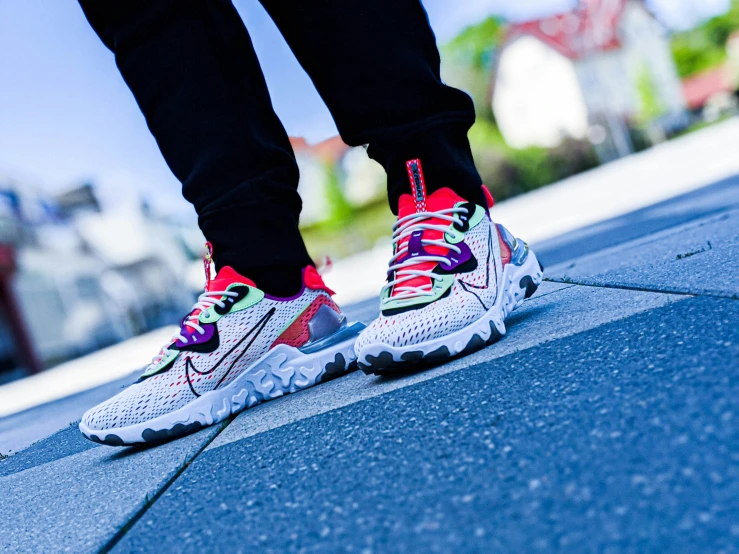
(403, 271)
(205, 301)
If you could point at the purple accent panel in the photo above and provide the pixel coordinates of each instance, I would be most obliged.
(457, 259)
(289, 298)
(279, 299)
(415, 249)
(415, 246)
(189, 333)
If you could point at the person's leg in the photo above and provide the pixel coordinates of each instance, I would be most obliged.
(266, 325)
(376, 65)
(454, 275)
(194, 73)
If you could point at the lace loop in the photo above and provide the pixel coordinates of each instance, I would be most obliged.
(205, 302)
(403, 271)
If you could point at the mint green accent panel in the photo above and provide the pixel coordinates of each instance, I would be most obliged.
(168, 358)
(453, 236)
(440, 287)
(255, 296)
(477, 217)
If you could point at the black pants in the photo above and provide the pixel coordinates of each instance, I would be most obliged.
(194, 73)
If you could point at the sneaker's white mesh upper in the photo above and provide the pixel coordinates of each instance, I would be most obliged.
(462, 306)
(169, 390)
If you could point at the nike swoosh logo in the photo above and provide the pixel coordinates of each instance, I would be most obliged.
(487, 266)
(253, 333)
(487, 275)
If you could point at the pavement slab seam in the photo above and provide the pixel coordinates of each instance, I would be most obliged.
(115, 539)
(625, 286)
(622, 286)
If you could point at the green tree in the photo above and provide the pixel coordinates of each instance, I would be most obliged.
(339, 209)
(650, 106)
(704, 47)
(474, 46)
(467, 61)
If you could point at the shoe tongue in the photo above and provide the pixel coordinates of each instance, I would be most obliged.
(419, 201)
(438, 200)
(226, 277)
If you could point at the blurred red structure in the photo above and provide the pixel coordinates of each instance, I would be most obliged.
(9, 307)
(699, 89)
(596, 20)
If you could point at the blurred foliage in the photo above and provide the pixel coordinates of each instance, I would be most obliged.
(467, 61)
(476, 44)
(507, 171)
(650, 107)
(340, 211)
(704, 47)
(368, 223)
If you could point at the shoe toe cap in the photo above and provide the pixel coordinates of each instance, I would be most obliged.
(420, 325)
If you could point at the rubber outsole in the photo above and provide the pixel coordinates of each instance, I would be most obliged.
(385, 364)
(517, 284)
(282, 370)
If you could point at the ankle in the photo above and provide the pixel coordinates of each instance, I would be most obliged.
(447, 162)
(280, 281)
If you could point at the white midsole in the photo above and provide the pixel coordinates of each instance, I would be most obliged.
(511, 296)
(282, 370)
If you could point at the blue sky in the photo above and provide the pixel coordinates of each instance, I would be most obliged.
(66, 116)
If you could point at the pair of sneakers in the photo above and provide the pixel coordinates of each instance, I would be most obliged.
(453, 279)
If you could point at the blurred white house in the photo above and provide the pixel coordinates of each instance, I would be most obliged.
(583, 72)
(75, 276)
(360, 179)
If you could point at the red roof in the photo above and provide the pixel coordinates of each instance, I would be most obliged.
(698, 89)
(592, 26)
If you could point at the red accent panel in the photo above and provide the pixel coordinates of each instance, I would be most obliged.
(488, 196)
(227, 276)
(298, 333)
(313, 280)
(505, 251)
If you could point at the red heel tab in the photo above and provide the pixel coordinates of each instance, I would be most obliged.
(226, 277)
(313, 280)
(488, 196)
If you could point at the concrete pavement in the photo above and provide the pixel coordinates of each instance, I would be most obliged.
(605, 420)
(618, 438)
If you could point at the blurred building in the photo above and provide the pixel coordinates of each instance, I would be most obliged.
(75, 277)
(592, 72)
(333, 164)
(710, 86)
